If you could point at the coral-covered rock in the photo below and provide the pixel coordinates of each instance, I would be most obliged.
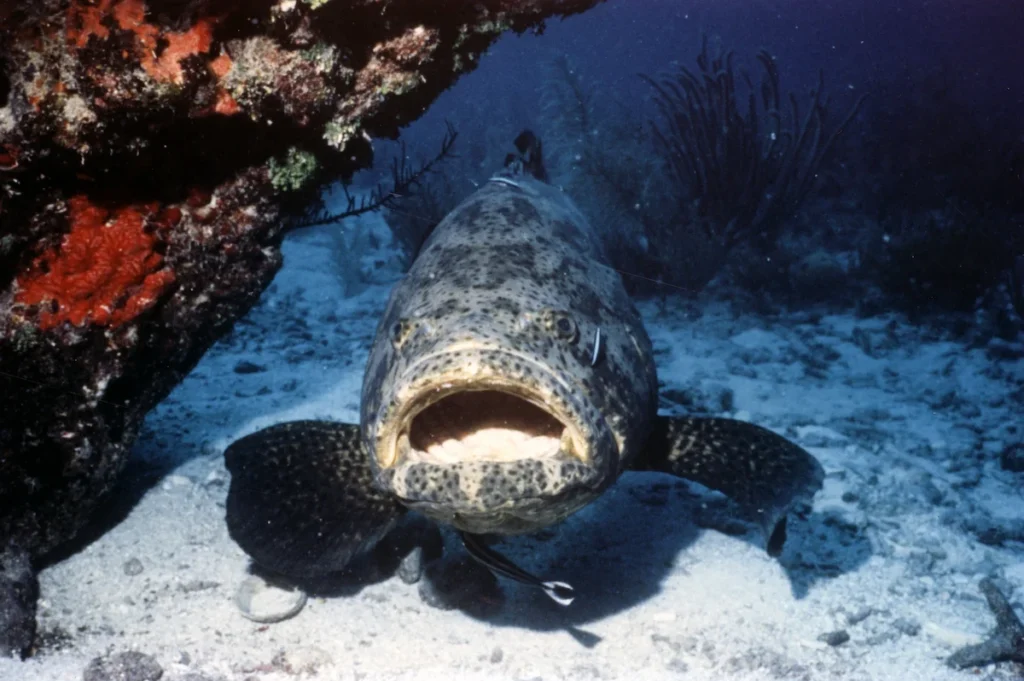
(97, 329)
(151, 153)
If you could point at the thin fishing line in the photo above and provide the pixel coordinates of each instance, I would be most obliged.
(627, 273)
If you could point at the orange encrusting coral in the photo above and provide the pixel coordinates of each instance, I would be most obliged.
(106, 271)
(160, 52)
(224, 103)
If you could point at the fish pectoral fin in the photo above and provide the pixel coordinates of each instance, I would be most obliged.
(762, 471)
(302, 500)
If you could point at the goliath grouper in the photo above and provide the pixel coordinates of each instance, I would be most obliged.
(510, 383)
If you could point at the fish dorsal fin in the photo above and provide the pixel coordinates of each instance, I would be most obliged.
(530, 157)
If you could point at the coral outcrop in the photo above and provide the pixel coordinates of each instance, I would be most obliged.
(152, 153)
(106, 272)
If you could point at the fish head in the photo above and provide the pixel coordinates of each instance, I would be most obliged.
(489, 435)
(491, 403)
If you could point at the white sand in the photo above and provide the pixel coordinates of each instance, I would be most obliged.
(659, 597)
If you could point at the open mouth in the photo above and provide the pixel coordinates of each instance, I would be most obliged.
(486, 425)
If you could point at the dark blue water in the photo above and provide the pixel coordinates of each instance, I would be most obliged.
(856, 44)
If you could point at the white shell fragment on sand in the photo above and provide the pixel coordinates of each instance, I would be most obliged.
(261, 601)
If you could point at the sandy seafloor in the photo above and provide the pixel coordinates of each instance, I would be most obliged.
(907, 423)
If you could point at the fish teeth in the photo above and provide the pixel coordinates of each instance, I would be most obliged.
(567, 445)
(403, 448)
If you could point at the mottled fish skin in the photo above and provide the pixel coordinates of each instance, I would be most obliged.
(508, 294)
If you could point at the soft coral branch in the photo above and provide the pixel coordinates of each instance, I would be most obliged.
(745, 164)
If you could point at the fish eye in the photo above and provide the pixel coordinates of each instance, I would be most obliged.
(400, 332)
(562, 325)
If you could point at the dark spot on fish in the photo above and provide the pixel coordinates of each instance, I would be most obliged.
(525, 209)
(446, 308)
(453, 256)
(568, 231)
(470, 211)
(503, 304)
(589, 305)
(493, 279)
(518, 256)
(461, 279)
(570, 263)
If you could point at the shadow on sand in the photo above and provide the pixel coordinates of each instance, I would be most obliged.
(617, 552)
